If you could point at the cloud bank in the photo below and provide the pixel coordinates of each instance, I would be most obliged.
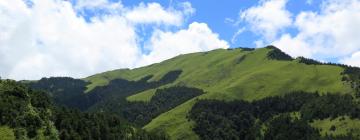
(54, 38)
(328, 34)
(268, 18)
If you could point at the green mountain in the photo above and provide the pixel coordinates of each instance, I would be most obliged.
(171, 96)
(228, 75)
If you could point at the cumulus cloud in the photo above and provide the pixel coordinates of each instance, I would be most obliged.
(331, 33)
(50, 38)
(198, 37)
(268, 18)
(294, 46)
(353, 60)
(328, 34)
(155, 13)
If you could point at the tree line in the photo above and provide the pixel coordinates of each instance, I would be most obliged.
(280, 117)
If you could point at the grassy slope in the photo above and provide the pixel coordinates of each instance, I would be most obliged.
(145, 95)
(219, 74)
(342, 126)
(6, 133)
(104, 78)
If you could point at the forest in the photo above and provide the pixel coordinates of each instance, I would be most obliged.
(32, 114)
(280, 117)
(277, 54)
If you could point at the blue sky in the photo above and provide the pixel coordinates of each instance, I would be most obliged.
(216, 13)
(81, 37)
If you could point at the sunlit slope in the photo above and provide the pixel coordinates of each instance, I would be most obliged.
(338, 126)
(228, 75)
(6, 133)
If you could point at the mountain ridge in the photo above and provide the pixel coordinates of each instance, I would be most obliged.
(224, 74)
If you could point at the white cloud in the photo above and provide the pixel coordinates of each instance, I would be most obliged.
(154, 13)
(331, 33)
(353, 60)
(237, 33)
(293, 46)
(259, 43)
(98, 7)
(50, 39)
(328, 34)
(268, 18)
(187, 8)
(198, 37)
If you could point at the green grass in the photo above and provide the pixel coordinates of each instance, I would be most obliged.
(174, 122)
(343, 126)
(6, 133)
(147, 94)
(104, 78)
(223, 77)
(142, 96)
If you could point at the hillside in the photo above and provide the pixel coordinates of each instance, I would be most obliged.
(229, 75)
(226, 75)
(30, 114)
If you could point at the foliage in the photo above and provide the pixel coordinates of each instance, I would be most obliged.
(277, 54)
(352, 76)
(73, 124)
(330, 106)
(61, 89)
(284, 127)
(268, 107)
(221, 120)
(308, 61)
(23, 109)
(240, 119)
(242, 48)
(31, 114)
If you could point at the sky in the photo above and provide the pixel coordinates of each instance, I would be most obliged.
(79, 38)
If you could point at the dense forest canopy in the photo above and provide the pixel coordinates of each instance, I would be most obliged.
(31, 114)
(279, 118)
